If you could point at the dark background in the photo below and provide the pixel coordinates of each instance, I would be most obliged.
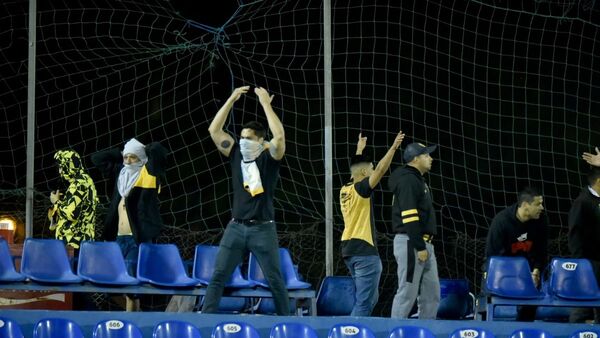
(508, 90)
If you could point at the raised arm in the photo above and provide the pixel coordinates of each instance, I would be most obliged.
(362, 143)
(385, 162)
(592, 159)
(108, 161)
(277, 149)
(222, 139)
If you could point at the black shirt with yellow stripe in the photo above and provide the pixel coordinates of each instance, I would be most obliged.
(359, 236)
(412, 211)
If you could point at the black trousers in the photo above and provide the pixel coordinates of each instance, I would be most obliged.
(261, 240)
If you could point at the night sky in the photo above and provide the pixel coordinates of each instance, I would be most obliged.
(510, 94)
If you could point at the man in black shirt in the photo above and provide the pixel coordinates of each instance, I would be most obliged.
(520, 230)
(254, 174)
(414, 222)
(584, 235)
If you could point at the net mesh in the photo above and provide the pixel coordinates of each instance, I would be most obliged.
(508, 91)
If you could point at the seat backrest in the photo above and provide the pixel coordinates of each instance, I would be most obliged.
(336, 296)
(9, 328)
(160, 263)
(353, 330)
(471, 332)
(267, 306)
(586, 334)
(573, 279)
(510, 277)
(411, 332)
(46, 260)
(204, 267)
(117, 329)
(57, 328)
(292, 330)
(234, 330)
(175, 329)
(290, 275)
(455, 302)
(101, 259)
(530, 333)
(7, 267)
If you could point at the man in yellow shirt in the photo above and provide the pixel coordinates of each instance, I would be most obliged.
(359, 247)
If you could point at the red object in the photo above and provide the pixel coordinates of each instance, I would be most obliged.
(8, 235)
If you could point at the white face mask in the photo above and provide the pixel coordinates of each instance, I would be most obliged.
(133, 167)
(250, 149)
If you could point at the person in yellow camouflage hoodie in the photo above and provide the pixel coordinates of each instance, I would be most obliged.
(73, 213)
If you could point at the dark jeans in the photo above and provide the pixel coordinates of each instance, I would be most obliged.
(580, 315)
(261, 240)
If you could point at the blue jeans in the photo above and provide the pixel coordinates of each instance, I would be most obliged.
(366, 271)
(130, 250)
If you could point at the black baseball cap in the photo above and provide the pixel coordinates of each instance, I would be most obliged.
(415, 149)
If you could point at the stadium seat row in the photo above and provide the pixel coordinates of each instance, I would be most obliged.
(46, 260)
(570, 282)
(65, 328)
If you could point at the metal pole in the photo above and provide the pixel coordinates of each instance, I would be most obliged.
(328, 139)
(30, 119)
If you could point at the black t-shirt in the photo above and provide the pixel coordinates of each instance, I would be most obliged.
(259, 207)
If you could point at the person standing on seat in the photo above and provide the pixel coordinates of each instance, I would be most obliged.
(414, 222)
(73, 214)
(133, 216)
(255, 167)
(359, 245)
(584, 236)
(520, 230)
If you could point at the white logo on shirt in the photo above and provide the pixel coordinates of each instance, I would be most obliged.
(522, 238)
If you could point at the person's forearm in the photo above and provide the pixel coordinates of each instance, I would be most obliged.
(275, 125)
(219, 121)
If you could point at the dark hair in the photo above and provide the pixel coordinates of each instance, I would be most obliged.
(528, 194)
(358, 159)
(593, 175)
(259, 129)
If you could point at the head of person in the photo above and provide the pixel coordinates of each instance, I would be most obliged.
(361, 166)
(252, 140)
(594, 179)
(530, 203)
(134, 153)
(417, 155)
(69, 164)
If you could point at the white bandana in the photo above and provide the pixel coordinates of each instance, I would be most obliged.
(250, 151)
(131, 172)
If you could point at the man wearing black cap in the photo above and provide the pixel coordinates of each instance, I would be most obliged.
(359, 245)
(414, 222)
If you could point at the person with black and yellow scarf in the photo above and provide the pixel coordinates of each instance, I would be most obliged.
(73, 213)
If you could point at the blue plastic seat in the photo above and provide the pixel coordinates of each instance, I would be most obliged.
(336, 296)
(573, 279)
(103, 263)
(117, 329)
(161, 264)
(204, 267)
(231, 304)
(175, 329)
(411, 332)
(292, 330)
(57, 328)
(353, 330)
(7, 268)
(46, 260)
(455, 302)
(9, 328)
(510, 277)
(530, 333)
(471, 332)
(234, 330)
(267, 306)
(586, 334)
(290, 276)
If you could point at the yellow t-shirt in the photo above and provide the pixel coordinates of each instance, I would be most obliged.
(359, 236)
